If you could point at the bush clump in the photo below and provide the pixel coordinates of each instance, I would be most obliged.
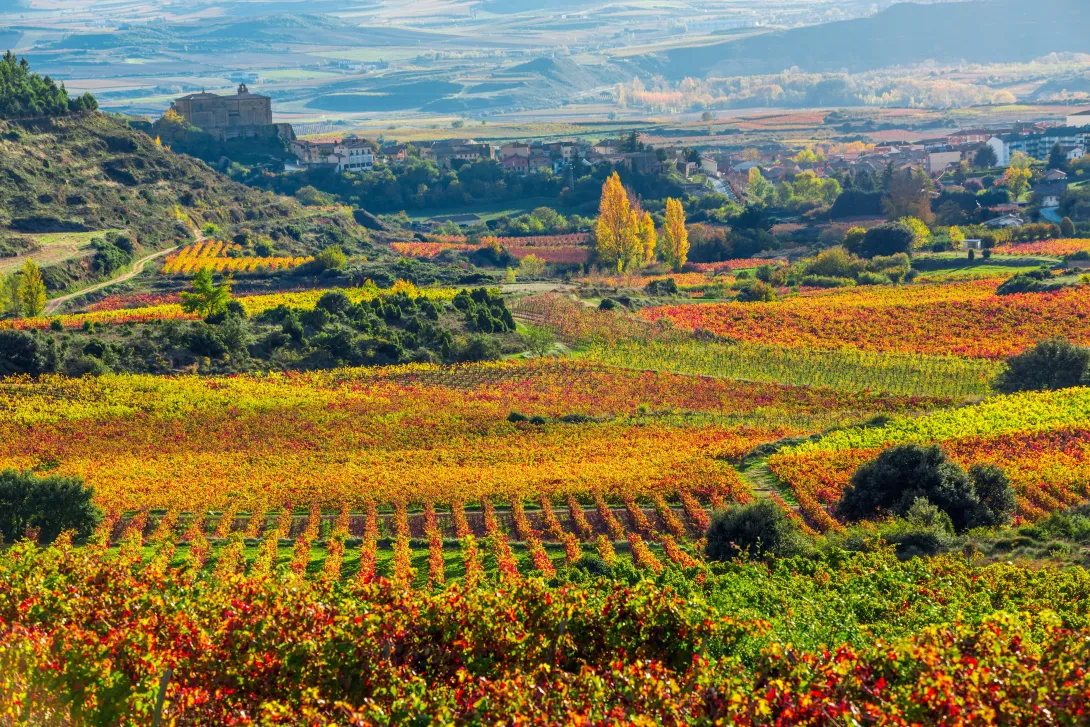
(759, 530)
(48, 505)
(892, 483)
(1048, 366)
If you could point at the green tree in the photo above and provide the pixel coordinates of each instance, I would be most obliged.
(207, 298)
(31, 290)
(758, 530)
(23, 93)
(49, 505)
(10, 304)
(888, 239)
(1056, 158)
(896, 479)
(985, 158)
(331, 258)
(1067, 227)
(1050, 365)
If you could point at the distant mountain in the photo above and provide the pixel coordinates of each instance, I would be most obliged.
(993, 31)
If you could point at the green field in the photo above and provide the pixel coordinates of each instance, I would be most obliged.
(54, 248)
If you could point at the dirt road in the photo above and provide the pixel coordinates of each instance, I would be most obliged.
(137, 268)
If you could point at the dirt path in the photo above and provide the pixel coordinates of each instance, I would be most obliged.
(137, 268)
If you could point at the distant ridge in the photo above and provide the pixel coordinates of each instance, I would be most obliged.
(995, 31)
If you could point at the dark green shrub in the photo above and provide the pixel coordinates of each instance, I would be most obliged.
(892, 482)
(1050, 365)
(49, 504)
(759, 529)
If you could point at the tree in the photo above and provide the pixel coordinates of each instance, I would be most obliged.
(921, 233)
(25, 353)
(618, 230)
(675, 238)
(1056, 158)
(10, 304)
(208, 299)
(531, 266)
(759, 189)
(540, 341)
(1067, 227)
(331, 258)
(985, 158)
(23, 93)
(1050, 365)
(909, 195)
(853, 239)
(957, 237)
(892, 483)
(648, 238)
(1017, 180)
(1021, 160)
(31, 290)
(49, 505)
(887, 239)
(758, 530)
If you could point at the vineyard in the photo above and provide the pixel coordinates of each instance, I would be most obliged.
(215, 256)
(964, 319)
(570, 249)
(1057, 248)
(530, 540)
(1039, 439)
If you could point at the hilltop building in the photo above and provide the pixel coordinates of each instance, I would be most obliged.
(244, 115)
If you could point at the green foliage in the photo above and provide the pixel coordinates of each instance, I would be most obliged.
(1034, 281)
(485, 310)
(48, 504)
(331, 258)
(757, 291)
(1050, 365)
(208, 299)
(25, 94)
(887, 239)
(757, 530)
(26, 353)
(903, 474)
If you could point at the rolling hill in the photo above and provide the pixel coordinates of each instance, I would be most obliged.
(978, 32)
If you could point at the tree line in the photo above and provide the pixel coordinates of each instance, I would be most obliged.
(26, 94)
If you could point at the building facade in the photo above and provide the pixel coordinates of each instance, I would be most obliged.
(227, 117)
(1039, 145)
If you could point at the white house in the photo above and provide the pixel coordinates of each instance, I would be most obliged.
(1079, 120)
(347, 155)
(354, 155)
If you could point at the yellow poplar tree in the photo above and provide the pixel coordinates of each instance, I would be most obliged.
(674, 235)
(31, 290)
(618, 230)
(649, 238)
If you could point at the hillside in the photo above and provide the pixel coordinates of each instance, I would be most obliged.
(92, 172)
(978, 32)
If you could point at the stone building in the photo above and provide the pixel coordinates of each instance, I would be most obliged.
(243, 115)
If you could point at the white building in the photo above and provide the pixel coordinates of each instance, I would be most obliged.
(1079, 120)
(347, 155)
(1038, 146)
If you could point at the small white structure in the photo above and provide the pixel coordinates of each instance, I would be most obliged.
(972, 245)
